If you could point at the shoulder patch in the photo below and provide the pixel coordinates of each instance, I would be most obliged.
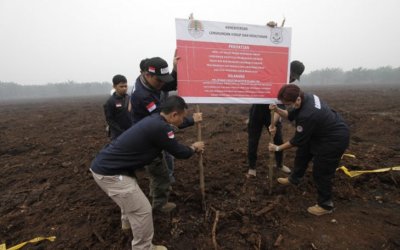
(171, 135)
(317, 102)
(299, 129)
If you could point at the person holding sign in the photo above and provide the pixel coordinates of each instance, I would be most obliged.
(145, 100)
(259, 117)
(114, 167)
(169, 159)
(321, 136)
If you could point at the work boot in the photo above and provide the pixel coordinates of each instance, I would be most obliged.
(167, 207)
(158, 247)
(125, 225)
(284, 181)
(285, 169)
(318, 211)
(251, 173)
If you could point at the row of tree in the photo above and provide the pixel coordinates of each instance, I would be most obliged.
(335, 76)
(10, 91)
(329, 76)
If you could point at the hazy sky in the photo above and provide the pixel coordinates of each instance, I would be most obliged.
(44, 41)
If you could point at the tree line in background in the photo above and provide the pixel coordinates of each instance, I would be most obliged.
(329, 76)
(10, 91)
(336, 76)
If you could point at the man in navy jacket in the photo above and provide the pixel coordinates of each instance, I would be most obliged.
(146, 100)
(116, 108)
(114, 167)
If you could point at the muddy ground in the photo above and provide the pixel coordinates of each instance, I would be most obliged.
(46, 189)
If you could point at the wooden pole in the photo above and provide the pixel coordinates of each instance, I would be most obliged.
(271, 157)
(214, 229)
(283, 22)
(201, 168)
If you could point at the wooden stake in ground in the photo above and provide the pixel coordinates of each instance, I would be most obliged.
(271, 157)
(201, 168)
(214, 229)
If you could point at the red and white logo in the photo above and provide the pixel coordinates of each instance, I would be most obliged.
(171, 135)
(152, 69)
(151, 106)
(118, 104)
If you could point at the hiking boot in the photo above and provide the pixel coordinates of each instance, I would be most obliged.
(125, 225)
(251, 173)
(318, 211)
(284, 181)
(167, 208)
(158, 247)
(285, 169)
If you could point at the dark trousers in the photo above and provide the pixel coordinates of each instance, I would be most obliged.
(170, 161)
(114, 134)
(260, 117)
(324, 168)
(159, 182)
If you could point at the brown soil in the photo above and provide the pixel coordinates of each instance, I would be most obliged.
(46, 189)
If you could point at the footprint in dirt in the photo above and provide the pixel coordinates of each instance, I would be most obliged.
(357, 139)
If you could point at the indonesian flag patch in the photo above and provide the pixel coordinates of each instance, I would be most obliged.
(152, 69)
(151, 106)
(171, 135)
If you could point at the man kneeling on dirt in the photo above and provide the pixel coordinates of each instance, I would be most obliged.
(114, 167)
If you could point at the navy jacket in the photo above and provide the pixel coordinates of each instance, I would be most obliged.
(146, 100)
(117, 114)
(139, 146)
(318, 125)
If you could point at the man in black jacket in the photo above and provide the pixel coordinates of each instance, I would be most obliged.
(145, 101)
(116, 108)
(114, 167)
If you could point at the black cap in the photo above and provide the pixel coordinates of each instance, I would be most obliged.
(142, 64)
(296, 69)
(158, 67)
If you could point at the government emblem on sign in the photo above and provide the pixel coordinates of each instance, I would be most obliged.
(195, 28)
(276, 35)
